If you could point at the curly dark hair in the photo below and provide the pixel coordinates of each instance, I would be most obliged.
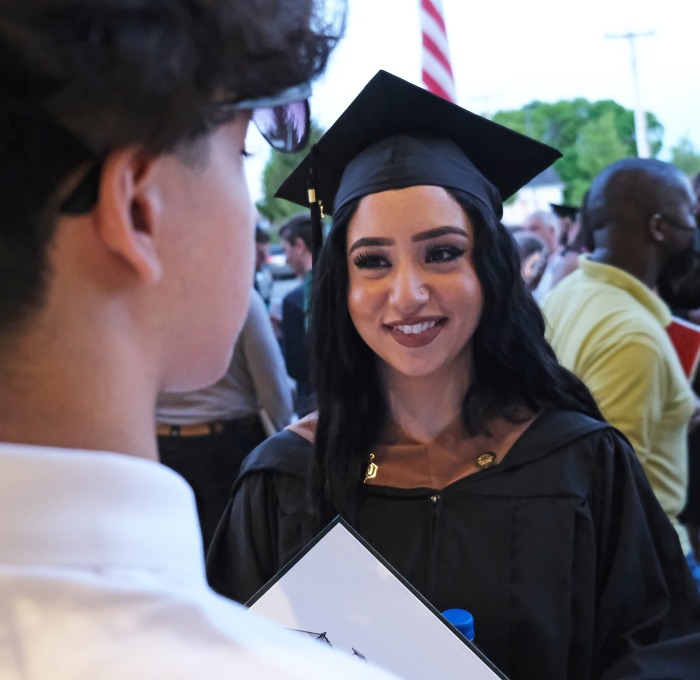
(514, 365)
(79, 78)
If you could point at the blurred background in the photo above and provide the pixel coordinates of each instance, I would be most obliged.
(559, 71)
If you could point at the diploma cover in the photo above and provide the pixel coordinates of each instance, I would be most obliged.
(339, 590)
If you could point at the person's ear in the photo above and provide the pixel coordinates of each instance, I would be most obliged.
(657, 228)
(127, 212)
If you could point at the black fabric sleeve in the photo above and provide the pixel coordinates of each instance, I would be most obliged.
(241, 558)
(648, 608)
(267, 520)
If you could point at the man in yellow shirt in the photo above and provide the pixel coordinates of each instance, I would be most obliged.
(607, 325)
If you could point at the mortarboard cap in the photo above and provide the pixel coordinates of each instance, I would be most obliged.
(562, 211)
(396, 134)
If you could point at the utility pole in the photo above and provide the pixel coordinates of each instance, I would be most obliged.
(640, 122)
(484, 99)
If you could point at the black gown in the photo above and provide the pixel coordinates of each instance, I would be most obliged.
(562, 553)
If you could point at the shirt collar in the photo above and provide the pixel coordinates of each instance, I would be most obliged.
(96, 509)
(631, 284)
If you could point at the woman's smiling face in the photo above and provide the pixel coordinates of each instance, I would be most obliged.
(414, 296)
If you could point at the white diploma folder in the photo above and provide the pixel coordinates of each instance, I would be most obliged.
(341, 591)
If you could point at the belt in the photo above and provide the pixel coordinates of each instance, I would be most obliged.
(204, 429)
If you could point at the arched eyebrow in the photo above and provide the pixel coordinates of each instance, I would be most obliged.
(438, 231)
(420, 236)
(371, 241)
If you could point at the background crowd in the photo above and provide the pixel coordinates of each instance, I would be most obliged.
(617, 346)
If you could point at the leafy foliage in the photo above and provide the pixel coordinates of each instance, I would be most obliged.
(278, 167)
(591, 135)
(685, 157)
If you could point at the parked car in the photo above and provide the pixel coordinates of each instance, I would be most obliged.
(277, 262)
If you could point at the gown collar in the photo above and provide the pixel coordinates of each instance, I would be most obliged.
(403, 462)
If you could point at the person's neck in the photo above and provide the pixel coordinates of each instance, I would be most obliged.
(424, 406)
(643, 268)
(64, 394)
(307, 267)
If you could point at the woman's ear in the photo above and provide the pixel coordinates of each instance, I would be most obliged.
(127, 212)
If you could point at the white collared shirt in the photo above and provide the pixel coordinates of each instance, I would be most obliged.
(101, 577)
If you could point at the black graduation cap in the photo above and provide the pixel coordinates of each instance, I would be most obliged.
(396, 134)
(570, 211)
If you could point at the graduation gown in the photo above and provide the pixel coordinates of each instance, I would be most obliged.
(561, 552)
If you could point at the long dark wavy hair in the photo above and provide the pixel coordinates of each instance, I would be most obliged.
(514, 365)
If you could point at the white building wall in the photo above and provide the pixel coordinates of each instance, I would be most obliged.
(530, 200)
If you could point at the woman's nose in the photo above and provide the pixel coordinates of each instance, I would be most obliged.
(408, 290)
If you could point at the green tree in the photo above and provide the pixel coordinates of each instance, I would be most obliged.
(277, 169)
(582, 130)
(597, 146)
(685, 157)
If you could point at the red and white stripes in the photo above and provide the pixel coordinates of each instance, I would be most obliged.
(437, 72)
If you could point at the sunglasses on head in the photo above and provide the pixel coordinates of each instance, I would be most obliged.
(283, 120)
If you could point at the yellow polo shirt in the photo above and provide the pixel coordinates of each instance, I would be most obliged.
(607, 327)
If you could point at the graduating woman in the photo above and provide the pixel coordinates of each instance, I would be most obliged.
(447, 433)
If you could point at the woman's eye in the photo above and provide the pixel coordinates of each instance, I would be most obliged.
(370, 261)
(444, 253)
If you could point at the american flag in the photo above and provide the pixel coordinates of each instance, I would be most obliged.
(437, 72)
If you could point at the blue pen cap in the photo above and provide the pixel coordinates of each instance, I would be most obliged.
(462, 620)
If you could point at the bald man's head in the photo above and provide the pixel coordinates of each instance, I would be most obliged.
(642, 214)
(626, 194)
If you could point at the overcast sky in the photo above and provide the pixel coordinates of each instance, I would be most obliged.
(507, 53)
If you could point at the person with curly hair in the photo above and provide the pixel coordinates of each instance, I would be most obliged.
(126, 261)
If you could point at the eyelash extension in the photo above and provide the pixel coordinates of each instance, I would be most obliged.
(369, 261)
(454, 252)
(434, 253)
